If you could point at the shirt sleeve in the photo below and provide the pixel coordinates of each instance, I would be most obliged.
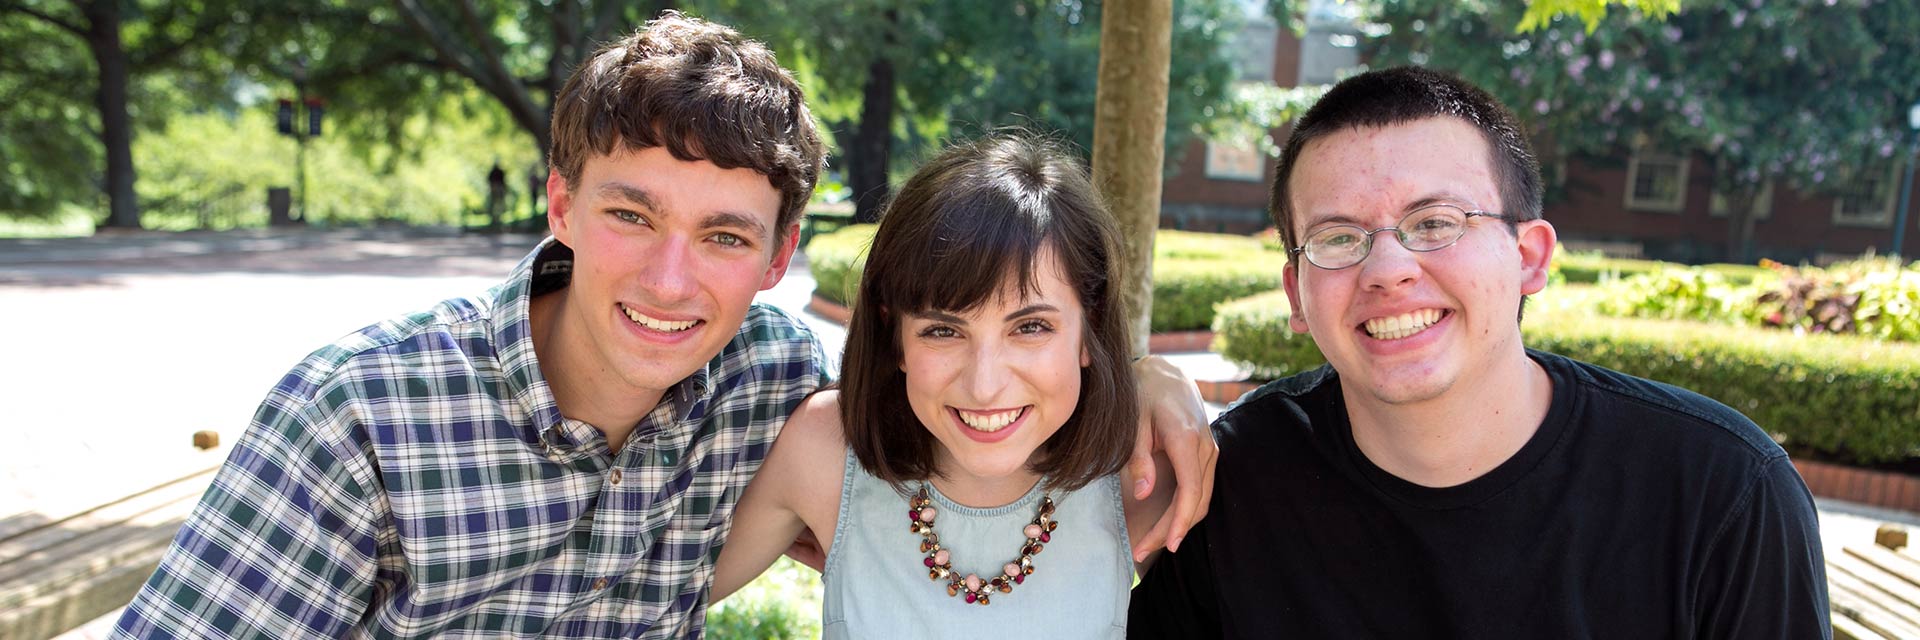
(1176, 599)
(283, 545)
(1765, 575)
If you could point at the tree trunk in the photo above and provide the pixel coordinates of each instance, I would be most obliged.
(1740, 222)
(116, 125)
(873, 138)
(1129, 139)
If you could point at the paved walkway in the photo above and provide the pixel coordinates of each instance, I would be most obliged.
(120, 347)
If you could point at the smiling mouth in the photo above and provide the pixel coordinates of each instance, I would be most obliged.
(1404, 325)
(656, 324)
(990, 421)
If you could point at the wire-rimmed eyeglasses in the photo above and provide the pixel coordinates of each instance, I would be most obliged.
(1429, 228)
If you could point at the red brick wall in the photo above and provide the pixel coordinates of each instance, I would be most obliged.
(1800, 226)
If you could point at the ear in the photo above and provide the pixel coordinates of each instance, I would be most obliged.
(1290, 277)
(559, 205)
(1537, 239)
(1086, 359)
(782, 257)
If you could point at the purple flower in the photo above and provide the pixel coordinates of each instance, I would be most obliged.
(1739, 18)
(1540, 107)
(1578, 66)
(1886, 149)
(1606, 60)
(1790, 52)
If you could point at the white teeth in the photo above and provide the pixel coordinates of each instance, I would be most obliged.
(657, 324)
(1403, 325)
(990, 422)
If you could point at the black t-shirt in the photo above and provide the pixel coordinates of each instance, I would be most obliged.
(1637, 510)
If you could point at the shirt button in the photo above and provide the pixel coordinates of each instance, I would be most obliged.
(599, 584)
(614, 478)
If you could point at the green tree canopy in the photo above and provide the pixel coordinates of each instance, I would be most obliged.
(891, 76)
(1810, 93)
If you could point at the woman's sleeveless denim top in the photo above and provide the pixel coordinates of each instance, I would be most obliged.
(876, 579)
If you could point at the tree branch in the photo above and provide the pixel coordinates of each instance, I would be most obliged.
(45, 17)
(438, 38)
(489, 51)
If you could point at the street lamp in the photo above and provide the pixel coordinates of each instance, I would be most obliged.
(1906, 177)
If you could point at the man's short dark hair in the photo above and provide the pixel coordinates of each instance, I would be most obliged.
(699, 89)
(974, 219)
(1405, 94)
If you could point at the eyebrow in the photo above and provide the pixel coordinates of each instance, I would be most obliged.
(1437, 197)
(721, 220)
(731, 220)
(627, 192)
(942, 316)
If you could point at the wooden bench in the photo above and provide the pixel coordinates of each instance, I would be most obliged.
(1875, 593)
(58, 574)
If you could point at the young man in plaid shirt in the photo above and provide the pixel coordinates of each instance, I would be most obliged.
(561, 455)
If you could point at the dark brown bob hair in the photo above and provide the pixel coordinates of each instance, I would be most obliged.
(968, 224)
(701, 90)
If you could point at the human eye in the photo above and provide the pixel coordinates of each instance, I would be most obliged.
(1436, 222)
(1337, 238)
(729, 240)
(1033, 327)
(628, 216)
(938, 331)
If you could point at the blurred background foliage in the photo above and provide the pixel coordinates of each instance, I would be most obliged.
(144, 113)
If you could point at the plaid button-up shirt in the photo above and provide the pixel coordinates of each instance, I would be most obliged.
(415, 479)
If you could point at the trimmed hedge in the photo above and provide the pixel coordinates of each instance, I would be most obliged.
(1851, 398)
(1586, 268)
(1192, 272)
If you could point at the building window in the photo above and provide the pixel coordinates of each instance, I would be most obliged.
(1869, 203)
(1762, 203)
(1234, 162)
(1656, 182)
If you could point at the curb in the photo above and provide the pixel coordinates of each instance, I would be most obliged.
(1883, 489)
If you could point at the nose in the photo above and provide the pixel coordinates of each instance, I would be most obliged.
(987, 374)
(1389, 264)
(669, 271)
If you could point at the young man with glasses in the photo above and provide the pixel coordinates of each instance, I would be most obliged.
(1439, 480)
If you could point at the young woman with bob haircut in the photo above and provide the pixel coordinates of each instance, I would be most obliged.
(986, 395)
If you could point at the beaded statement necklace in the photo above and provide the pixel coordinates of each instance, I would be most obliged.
(939, 561)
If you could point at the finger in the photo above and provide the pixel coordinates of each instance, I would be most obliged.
(1189, 497)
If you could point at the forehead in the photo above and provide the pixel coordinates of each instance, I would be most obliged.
(1378, 172)
(1049, 283)
(695, 187)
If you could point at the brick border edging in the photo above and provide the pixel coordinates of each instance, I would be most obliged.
(1167, 342)
(1884, 489)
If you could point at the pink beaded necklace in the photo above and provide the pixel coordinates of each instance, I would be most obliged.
(939, 560)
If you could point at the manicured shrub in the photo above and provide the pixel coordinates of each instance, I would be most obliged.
(1186, 290)
(1874, 297)
(1853, 398)
(1253, 332)
(1592, 267)
(836, 260)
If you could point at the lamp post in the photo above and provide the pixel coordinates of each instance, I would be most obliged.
(1906, 177)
